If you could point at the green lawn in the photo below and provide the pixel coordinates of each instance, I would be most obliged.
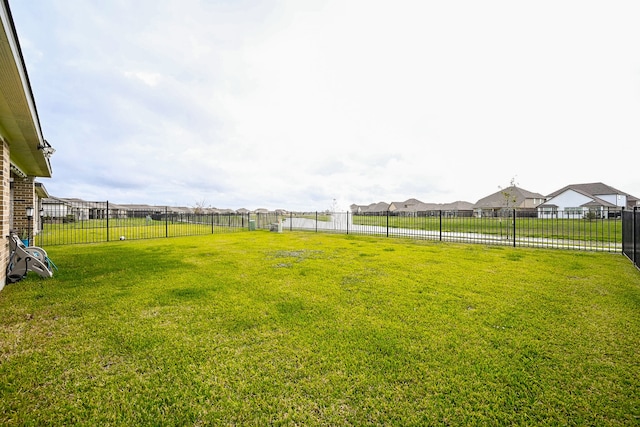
(260, 328)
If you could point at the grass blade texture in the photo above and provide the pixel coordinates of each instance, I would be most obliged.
(263, 328)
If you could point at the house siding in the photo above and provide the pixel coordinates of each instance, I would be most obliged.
(531, 203)
(570, 199)
(615, 199)
(569, 204)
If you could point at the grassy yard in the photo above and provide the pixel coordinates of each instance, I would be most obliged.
(262, 328)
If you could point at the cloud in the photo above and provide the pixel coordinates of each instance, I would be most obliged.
(148, 78)
(287, 104)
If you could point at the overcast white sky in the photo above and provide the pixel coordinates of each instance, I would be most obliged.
(291, 104)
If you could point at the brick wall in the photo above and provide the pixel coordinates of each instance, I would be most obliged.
(5, 206)
(24, 195)
(13, 212)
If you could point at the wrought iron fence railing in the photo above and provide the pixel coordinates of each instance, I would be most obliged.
(92, 222)
(602, 232)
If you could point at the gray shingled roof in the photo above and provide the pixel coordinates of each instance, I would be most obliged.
(591, 189)
(413, 205)
(596, 202)
(378, 207)
(497, 199)
(458, 205)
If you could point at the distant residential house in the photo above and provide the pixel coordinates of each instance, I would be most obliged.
(117, 211)
(457, 208)
(73, 209)
(414, 207)
(509, 198)
(40, 194)
(580, 200)
(358, 209)
(54, 208)
(408, 207)
(91, 210)
(379, 208)
(136, 211)
(180, 210)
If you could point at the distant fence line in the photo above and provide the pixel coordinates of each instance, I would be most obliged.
(92, 222)
(602, 233)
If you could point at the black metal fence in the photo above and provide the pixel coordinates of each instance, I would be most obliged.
(74, 221)
(565, 230)
(70, 222)
(631, 235)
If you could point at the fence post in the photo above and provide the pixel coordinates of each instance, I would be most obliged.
(290, 221)
(347, 222)
(316, 221)
(514, 227)
(622, 226)
(387, 222)
(166, 222)
(440, 215)
(107, 220)
(634, 224)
